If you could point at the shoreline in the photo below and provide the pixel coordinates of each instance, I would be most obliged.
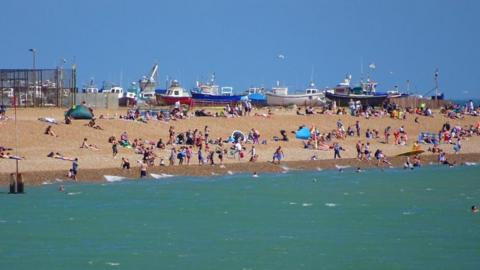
(89, 175)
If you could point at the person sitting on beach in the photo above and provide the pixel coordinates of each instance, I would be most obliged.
(277, 155)
(299, 112)
(49, 131)
(92, 124)
(160, 144)
(68, 120)
(124, 139)
(88, 146)
(309, 110)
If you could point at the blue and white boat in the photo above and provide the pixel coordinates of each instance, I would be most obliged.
(365, 93)
(212, 94)
(257, 96)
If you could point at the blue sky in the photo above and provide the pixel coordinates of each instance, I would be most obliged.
(240, 41)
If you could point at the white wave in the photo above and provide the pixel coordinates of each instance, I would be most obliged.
(47, 183)
(407, 213)
(319, 169)
(255, 175)
(292, 203)
(74, 193)
(112, 263)
(330, 204)
(162, 175)
(58, 180)
(341, 167)
(346, 193)
(470, 163)
(113, 178)
(428, 189)
(307, 204)
(230, 172)
(285, 168)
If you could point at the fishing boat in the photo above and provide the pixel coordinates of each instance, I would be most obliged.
(130, 96)
(90, 88)
(365, 93)
(279, 97)
(112, 88)
(211, 94)
(148, 84)
(175, 93)
(257, 96)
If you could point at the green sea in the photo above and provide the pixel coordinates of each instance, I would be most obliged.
(391, 219)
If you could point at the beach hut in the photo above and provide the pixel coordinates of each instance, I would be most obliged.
(79, 112)
(303, 133)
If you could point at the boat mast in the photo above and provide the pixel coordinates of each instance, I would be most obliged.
(436, 84)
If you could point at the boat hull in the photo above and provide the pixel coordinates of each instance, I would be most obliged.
(169, 100)
(365, 100)
(316, 99)
(208, 99)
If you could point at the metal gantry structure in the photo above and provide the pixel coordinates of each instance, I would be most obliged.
(38, 87)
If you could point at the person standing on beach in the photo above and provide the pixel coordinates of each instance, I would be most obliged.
(143, 169)
(74, 169)
(189, 152)
(278, 155)
(458, 146)
(173, 155)
(171, 135)
(206, 133)
(336, 150)
(358, 146)
(357, 127)
(386, 133)
(200, 156)
(114, 148)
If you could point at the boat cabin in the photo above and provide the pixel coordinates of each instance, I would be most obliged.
(226, 91)
(175, 90)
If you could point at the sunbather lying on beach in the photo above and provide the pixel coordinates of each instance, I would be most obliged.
(7, 155)
(3, 148)
(88, 146)
(60, 156)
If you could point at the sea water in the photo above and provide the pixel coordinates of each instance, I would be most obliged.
(391, 219)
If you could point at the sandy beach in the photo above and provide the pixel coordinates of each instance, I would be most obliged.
(34, 145)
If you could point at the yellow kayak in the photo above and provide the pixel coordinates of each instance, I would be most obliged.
(411, 153)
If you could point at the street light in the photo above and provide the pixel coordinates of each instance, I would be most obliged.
(34, 55)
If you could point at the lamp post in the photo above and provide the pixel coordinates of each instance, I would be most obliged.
(34, 55)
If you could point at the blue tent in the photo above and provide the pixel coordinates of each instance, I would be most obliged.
(303, 134)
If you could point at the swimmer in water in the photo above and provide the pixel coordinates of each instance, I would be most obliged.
(255, 174)
(61, 188)
(358, 170)
(474, 209)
